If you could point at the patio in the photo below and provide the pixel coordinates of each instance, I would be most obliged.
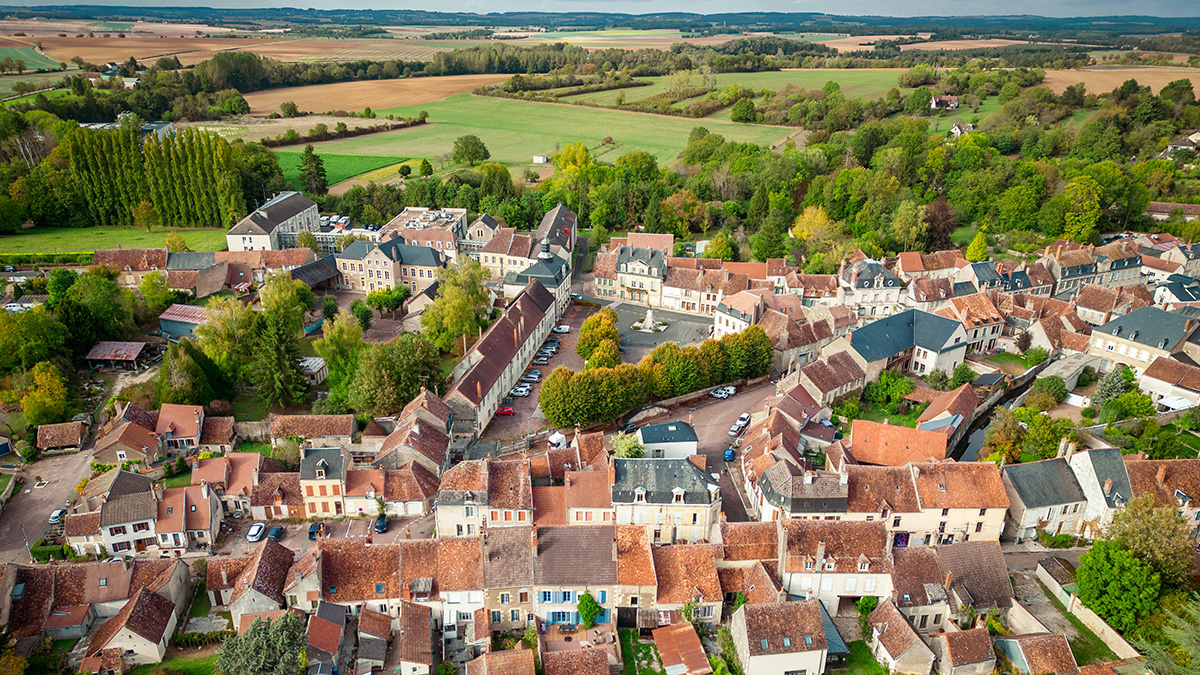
(561, 637)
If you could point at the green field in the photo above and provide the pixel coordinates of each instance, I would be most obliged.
(338, 167)
(854, 83)
(187, 666)
(73, 240)
(41, 79)
(118, 27)
(33, 60)
(514, 131)
(55, 93)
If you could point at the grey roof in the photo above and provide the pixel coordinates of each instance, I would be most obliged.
(1016, 281)
(986, 274)
(962, 288)
(658, 477)
(576, 556)
(978, 572)
(1107, 464)
(1148, 326)
(371, 648)
(1049, 482)
(652, 257)
(868, 272)
(129, 509)
(189, 260)
(834, 642)
(331, 611)
(397, 250)
(558, 226)
(668, 432)
(274, 211)
(488, 221)
(335, 466)
(988, 379)
(783, 485)
(889, 336)
(1185, 289)
(313, 273)
(549, 270)
(508, 557)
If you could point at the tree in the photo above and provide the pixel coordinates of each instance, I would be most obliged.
(145, 216)
(272, 647)
(362, 313)
(1157, 536)
(1179, 654)
(306, 239)
(287, 453)
(61, 279)
(719, 248)
(595, 329)
(155, 292)
(1023, 341)
(288, 109)
(628, 446)
(189, 377)
(312, 172)
(176, 243)
(962, 375)
(1052, 386)
(588, 610)
(389, 299)
(908, 227)
(770, 240)
(461, 305)
(978, 250)
(228, 337)
(1004, 436)
(426, 168)
(1034, 356)
(1083, 208)
(1111, 386)
(1116, 585)
(107, 304)
(742, 111)
(390, 375)
(606, 355)
(288, 298)
(275, 365)
(340, 345)
(329, 306)
(13, 664)
(45, 402)
(470, 149)
(405, 170)
(919, 101)
(940, 221)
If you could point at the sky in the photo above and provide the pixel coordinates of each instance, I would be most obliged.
(1054, 8)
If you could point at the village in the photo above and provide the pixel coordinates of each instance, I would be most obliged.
(861, 498)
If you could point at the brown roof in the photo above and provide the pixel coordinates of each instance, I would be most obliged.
(549, 505)
(837, 370)
(131, 437)
(415, 639)
(362, 482)
(235, 471)
(418, 559)
(959, 485)
(88, 583)
(411, 482)
(893, 630)
(756, 583)
(661, 242)
(1039, 275)
(147, 615)
(509, 485)
(351, 570)
(506, 241)
(887, 445)
(687, 572)
(312, 426)
(1162, 477)
(679, 646)
(81, 524)
(246, 620)
(798, 622)
(469, 475)
(846, 543)
(635, 563)
(916, 575)
(460, 564)
(587, 490)
(284, 485)
(265, 571)
(1160, 264)
(969, 646)
(749, 541)
(217, 431)
(930, 289)
(508, 557)
(288, 257)
(424, 438)
(586, 661)
(510, 662)
(961, 401)
(62, 617)
(428, 401)
(375, 623)
(978, 573)
(59, 435)
(1174, 372)
(324, 635)
(605, 267)
(182, 421)
(973, 311)
(134, 259)
(30, 610)
(1047, 654)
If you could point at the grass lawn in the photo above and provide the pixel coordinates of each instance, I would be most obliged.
(53, 94)
(4, 479)
(249, 409)
(193, 666)
(872, 83)
(306, 346)
(64, 646)
(963, 235)
(860, 661)
(1189, 441)
(200, 606)
(640, 654)
(876, 413)
(204, 302)
(42, 80)
(964, 115)
(1088, 648)
(75, 240)
(514, 131)
(447, 364)
(178, 480)
(337, 167)
(1005, 357)
(249, 446)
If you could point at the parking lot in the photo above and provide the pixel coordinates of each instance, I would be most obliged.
(295, 535)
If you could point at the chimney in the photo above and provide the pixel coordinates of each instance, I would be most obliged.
(533, 539)
(949, 580)
(614, 549)
(1108, 486)
(1162, 476)
(567, 480)
(225, 576)
(158, 491)
(691, 420)
(1058, 253)
(516, 337)
(820, 554)
(1071, 447)
(1003, 460)
(844, 477)
(478, 389)
(808, 478)
(1062, 448)
(204, 489)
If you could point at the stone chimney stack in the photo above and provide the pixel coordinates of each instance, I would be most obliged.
(808, 478)
(949, 580)
(225, 576)
(1161, 477)
(533, 540)
(1071, 447)
(820, 554)
(1108, 486)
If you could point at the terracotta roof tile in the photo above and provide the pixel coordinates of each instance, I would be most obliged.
(133, 437)
(375, 623)
(312, 426)
(635, 563)
(509, 485)
(235, 472)
(364, 482)
(285, 486)
(587, 490)
(82, 524)
(418, 559)
(687, 572)
(460, 564)
(411, 482)
(969, 646)
(978, 573)
(30, 610)
(549, 505)
(59, 435)
(352, 571)
(427, 401)
(749, 541)
(959, 485)
(845, 543)
(586, 661)
(961, 401)
(887, 445)
(415, 638)
(799, 623)
(217, 431)
(510, 662)
(679, 648)
(893, 630)
(180, 421)
(147, 614)
(915, 575)
(1161, 478)
(1047, 654)
(134, 259)
(421, 436)
(324, 635)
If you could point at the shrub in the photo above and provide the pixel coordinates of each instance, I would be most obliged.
(1035, 356)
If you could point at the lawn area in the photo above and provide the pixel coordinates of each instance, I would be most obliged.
(1189, 441)
(447, 364)
(963, 235)
(337, 167)
(42, 80)
(1088, 648)
(876, 413)
(79, 239)
(4, 479)
(187, 666)
(53, 94)
(1009, 363)
(63, 646)
(307, 348)
(248, 408)
(645, 657)
(178, 480)
(250, 446)
(205, 301)
(201, 605)
(964, 115)
(860, 661)
(515, 130)
(872, 83)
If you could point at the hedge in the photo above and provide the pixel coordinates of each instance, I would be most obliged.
(199, 639)
(45, 553)
(79, 258)
(348, 133)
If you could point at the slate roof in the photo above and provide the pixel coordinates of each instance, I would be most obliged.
(668, 432)
(1049, 482)
(395, 250)
(558, 226)
(117, 482)
(979, 568)
(787, 486)
(1149, 326)
(784, 628)
(271, 213)
(658, 477)
(129, 508)
(891, 335)
(1108, 464)
(335, 464)
(317, 271)
(863, 273)
(575, 556)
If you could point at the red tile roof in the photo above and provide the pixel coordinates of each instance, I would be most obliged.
(679, 647)
(352, 571)
(59, 435)
(324, 635)
(411, 482)
(312, 426)
(585, 661)
(549, 505)
(146, 614)
(1162, 477)
(181, 421)
(1047, 654)
(375, 623)
(415, 638)
(969, 646)
(81, 524)
(687, 572)
(510, 662)
(892, 628)
(509, 485)
(134, 259)
(845, 543)
(749, 541)
(285, 486)
(235, 471)
(961, 401)
(587, 490)
(959, 485)
(799, 623)
(635, 563)
(887, 445)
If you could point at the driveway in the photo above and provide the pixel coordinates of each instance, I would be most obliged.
(295, 535)
(1024, 557)
(32, 506)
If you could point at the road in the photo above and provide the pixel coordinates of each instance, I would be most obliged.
(32, 506)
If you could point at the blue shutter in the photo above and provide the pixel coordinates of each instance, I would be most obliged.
(575, 617)
(603, 597)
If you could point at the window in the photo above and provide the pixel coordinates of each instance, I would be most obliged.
(514, 615)
(633, 601)
(942, 527)
(979, 527)
(945, 512)
(896, 521)
(103, 582)
(924, 621)
(763, 644)
(982, 512)
(141, 527)
(787, 642)
(869, 585)
(603, 597)
(523, 596)
(379, 588)
(495, 616)
(850, 585)
(117, 531)
(862, 567)
(937, 619)
(469, 511)
(504, 598)
(546, 595)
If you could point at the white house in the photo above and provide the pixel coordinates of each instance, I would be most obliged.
(275, 224)
(669, 440)
(780, 638)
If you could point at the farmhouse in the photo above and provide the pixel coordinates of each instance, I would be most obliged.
(275, 224)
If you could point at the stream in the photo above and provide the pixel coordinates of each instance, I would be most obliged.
(967, 450)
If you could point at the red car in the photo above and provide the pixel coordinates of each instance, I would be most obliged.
(506, 410)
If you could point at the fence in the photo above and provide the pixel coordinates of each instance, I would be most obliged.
(253, 431)
(1107, 634)
(1021, 621)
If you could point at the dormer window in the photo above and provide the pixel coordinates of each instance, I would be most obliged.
(677, 495)
(808, 564)
(103, 582)
(787, 643)
(862, 567)
(941, 487)
(763, 644)
(639, 495)
(829, 566)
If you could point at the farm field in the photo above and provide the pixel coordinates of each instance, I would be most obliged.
(337, 167)
(628, 38)
(851, 43)
(101, 49)
(374, 93)
(1106, 78)
(44, 79)
(872, 82)
(314, 49)
(51, 28)
(962, 44)
(52, 94)
(76, 239)
(33, 60)
(515, 130)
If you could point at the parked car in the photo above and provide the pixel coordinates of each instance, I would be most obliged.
(276, 533)
(562, 329)
(576, 296)
(541, 361)
(381, 523)
(718, 393)
(256, 532)
(520, 391)
(727, 455)
(314, 530)
(531, 377)
(628, 428)
(57, 515)
(735, 429)
(506, 410)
